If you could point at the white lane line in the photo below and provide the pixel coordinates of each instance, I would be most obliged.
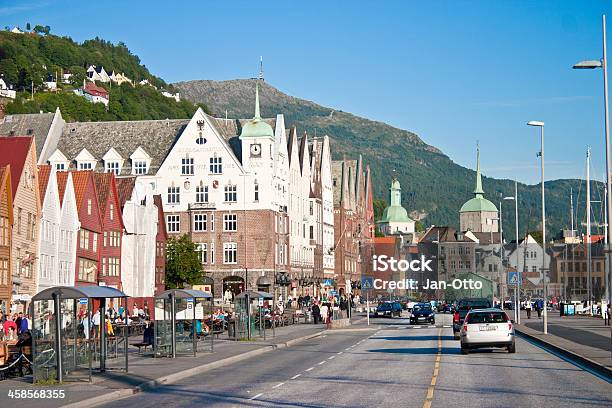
(322, 362)
(295, 376)
(331, 358)
(308, 369)
(256, 396)
(348, 348)
(278, 385)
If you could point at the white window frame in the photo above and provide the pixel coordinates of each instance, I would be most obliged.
(140, 167)
(230, 222)
(201, 193)
(200, 222)
(230, 193)
(173, 220)
(112, 167)
(230, 253)
(202, 248)
(215, 165)
(187, 166)
(174, 195)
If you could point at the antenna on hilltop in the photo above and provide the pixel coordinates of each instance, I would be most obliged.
(261, 76)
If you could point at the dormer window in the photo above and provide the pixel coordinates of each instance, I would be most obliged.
(113, 167)
(141, 161)
(85, 165)
(139, 167)
(113, 161)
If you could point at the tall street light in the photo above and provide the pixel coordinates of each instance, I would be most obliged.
(544, 269)
(592, 64)
(517, 299)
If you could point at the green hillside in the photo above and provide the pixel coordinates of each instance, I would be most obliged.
(433, 186)
(27, 59)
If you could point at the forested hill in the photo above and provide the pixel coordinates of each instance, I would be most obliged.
(433, 186)
(28, 59)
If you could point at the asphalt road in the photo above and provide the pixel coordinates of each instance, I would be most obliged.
(398, 365)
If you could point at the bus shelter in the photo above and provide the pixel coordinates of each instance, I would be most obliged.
(71, 336)
(182, 322)
(251, 314)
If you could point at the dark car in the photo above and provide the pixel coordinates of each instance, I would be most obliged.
(422, 313)
(389, 309)
(463, 307)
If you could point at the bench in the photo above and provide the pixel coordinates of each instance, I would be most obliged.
(140, 346)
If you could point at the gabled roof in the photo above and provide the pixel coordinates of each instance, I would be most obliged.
(104, 184)
(161, 225)
(125, 187)
(5, 183)
(14, 152)
(80, 180)
(44, 171)
(28, 124)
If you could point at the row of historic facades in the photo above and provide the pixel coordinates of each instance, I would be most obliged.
(94, 202)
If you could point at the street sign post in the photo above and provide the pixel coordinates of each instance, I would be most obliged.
(513, 278)
(367, 284)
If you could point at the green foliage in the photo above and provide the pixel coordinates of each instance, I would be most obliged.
(379, 206)
(418, 226)
(182, 263)
(537, 235)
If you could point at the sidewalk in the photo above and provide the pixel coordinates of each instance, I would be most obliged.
(148, 372)
(582, 336)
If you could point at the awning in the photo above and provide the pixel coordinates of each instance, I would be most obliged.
(183, 293)
(254, 294)
(77, 292)
(264, 281)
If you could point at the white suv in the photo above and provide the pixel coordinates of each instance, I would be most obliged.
(487, 328)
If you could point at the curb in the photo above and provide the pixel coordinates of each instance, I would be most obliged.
(587, 362)
(148, 385)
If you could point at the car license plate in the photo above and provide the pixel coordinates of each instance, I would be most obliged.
(487, 328)
(421, 318)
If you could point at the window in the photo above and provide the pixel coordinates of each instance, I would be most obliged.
(60, 166)
(85, 166)
(230, 253)
(113, 266)
(19, 221)
(231, 195)
(89, 206)
(84, 239)
(230, 222)
(212, 222)
(4, 271)
(139, 167)
(312, 232)
(112, 211)
(199, 222)
(201, 193)
(256, 190)
(87, 270)
(212, 253)
(174, 195)
(216, 165)
(534, 268)
(187, 166)
(203, 250)
(173, 223)
(113, 167)
(4, 231)
(95, 242)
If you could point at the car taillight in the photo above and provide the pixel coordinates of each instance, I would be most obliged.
(456, 317)
(465, 327)
(510, 326)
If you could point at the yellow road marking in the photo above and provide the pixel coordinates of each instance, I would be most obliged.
(434, 376)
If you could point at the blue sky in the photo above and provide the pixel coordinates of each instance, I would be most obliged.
(454, 72)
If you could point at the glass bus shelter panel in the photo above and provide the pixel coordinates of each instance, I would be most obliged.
(43, 337)
(75, 350)
(163, 328)
(204, 325)
(184, 325)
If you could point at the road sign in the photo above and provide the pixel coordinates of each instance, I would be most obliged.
(513, 278)
(328, 282)
(367, 284)
(83, 301)
(260, 302)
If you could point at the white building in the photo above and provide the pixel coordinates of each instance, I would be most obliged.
(97, 74)
(58, 228)
(7, 91)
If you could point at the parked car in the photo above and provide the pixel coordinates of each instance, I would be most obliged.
(463, 307)
(389, 309)
(487, 328)
(422, 313)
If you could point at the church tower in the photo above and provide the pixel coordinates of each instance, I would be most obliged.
(478, 214)
(395, 219)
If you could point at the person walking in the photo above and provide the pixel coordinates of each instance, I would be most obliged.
(324, 309)
(330, 315)
(528, 308)
(607, 316)
(316, 313)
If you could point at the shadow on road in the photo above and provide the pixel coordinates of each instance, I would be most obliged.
(420, 350)
(421, 338)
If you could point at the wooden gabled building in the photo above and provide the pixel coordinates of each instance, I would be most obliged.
(6, 230)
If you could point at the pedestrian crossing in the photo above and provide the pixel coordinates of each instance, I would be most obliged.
(413, 326)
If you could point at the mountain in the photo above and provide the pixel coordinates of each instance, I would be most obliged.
(433, 186)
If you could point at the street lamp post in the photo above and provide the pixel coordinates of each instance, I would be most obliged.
(592, 64)
(517, 310)
(544, 269)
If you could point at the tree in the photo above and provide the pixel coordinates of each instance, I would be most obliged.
(39, 29)
(379, 206)
(182, 263)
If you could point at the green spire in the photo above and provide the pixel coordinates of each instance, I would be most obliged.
(478, 190)
(395, 192)
(257, 115)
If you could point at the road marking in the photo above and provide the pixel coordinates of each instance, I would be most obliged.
(311, 368)
(278, 385)
(322, 362)
(340, 352)
(331, 358)
(434, 376)
(256, 396)
(348, 348)
(295, 376)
